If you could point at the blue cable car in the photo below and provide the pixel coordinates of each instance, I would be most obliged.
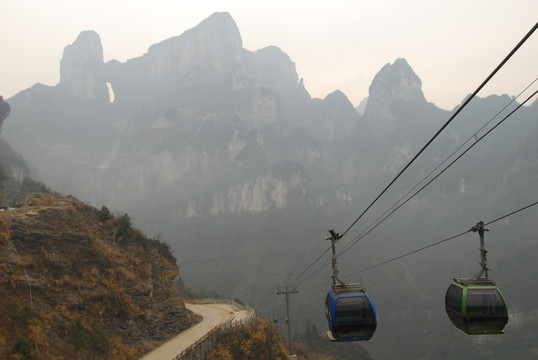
(350, 313)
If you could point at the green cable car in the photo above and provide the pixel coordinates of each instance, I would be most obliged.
(476, 306)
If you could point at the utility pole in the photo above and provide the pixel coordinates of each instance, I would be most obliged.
(288, 290)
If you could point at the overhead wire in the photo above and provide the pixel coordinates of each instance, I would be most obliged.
(474, 136)
(438, 242)
(429, 182)
(433, 179)
(314, 273)
(521, 42)
(310, 266)
(417, 250)
(439, 174)
(514, 50)
(510, 214)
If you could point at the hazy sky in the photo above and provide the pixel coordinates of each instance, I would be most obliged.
(338, 44)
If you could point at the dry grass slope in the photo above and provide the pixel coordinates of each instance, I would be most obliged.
(78, 282)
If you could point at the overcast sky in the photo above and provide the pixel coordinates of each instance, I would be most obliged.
(339, 44)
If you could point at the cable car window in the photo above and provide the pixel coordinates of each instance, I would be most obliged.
(354, 309)
(453, 298)
(484, 303)
(354, 316)
(486, 311)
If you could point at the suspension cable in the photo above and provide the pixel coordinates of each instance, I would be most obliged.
(522, 41)
(512, 213)
(434, 178)
(474, 136)
(389, 212)
(439, 242)
(392, 210)
(310, 266)
(314, 273)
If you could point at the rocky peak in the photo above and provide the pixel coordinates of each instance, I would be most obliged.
(395, 85)
(396, 82)
(215, 43)
(274, 69)
(341, 116)
(82, 67)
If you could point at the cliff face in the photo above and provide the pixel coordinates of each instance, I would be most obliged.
(76, 279)
(394, 89)
(82, 67)
(4, 111)
(196, 106)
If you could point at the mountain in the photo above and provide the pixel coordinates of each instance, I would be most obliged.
(223, 151)
(209, 111)
(82, 68)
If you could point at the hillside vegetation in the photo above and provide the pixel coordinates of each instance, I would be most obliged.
(77, 282)
(260, 340)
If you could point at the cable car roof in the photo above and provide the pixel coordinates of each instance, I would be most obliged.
(475, 282)
(345, 289)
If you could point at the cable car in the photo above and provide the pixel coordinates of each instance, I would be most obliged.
(350, 313)
(476, 307)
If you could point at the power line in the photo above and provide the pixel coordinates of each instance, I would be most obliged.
(438, 242)
(446, 124)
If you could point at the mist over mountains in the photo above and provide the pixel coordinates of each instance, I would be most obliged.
(223, 152)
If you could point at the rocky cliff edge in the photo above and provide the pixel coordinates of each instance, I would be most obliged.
(78, 281)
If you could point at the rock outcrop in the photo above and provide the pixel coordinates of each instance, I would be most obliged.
(82, 68)
(214, 45)
(395, 86)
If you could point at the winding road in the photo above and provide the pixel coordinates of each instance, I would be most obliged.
(213, 315)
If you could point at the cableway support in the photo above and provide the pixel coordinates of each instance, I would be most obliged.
(479, 227)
